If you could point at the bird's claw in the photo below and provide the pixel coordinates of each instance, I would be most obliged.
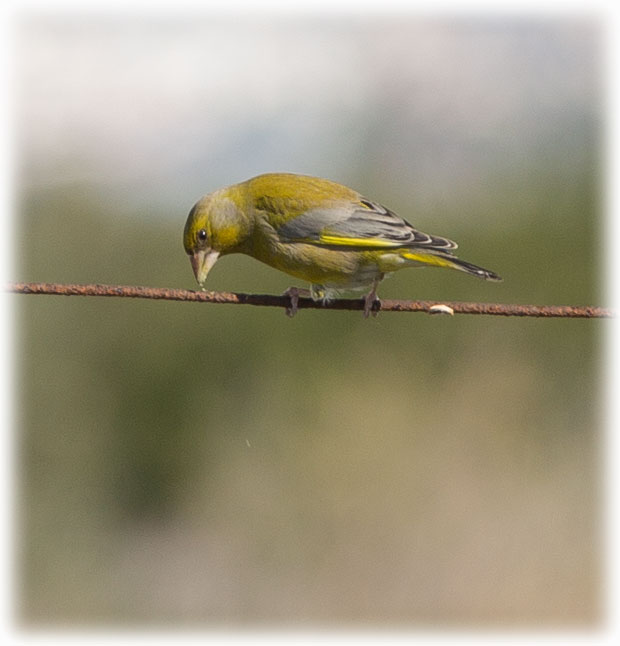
(371, 302)
(294, 293)
(372, 305)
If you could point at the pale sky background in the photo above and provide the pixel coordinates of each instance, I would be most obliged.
(165, 109)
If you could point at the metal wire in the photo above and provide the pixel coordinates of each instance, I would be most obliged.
(266, 300)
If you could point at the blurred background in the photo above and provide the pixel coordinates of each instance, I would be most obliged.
(205, 466)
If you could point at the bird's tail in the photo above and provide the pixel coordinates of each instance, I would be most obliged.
(448, 260)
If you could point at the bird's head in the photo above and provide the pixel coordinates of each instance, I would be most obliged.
(197, 240)
(215, 226)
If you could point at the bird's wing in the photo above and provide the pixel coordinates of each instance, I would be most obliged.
(362, 224)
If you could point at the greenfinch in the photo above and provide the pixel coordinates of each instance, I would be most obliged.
(313, 229)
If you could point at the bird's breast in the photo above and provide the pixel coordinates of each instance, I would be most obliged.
(318, 264)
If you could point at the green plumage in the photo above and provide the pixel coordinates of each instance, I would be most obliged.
(313, 229)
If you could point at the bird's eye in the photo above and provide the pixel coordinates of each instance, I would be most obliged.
(202, 235)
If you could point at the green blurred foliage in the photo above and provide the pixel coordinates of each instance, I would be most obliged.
(208, 465)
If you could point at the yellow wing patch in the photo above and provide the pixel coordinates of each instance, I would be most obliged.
(428, 259)
(366, 243)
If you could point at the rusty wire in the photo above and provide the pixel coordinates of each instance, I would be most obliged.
(162, 293)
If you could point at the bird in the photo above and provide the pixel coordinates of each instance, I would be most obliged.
(315, 230)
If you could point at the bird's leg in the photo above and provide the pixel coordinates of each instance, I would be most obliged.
(294, 293)
(371, 298)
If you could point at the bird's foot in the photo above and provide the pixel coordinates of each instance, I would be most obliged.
(371, 303)
(294, 293)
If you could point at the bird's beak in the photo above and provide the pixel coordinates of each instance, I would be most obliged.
(202, 261)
